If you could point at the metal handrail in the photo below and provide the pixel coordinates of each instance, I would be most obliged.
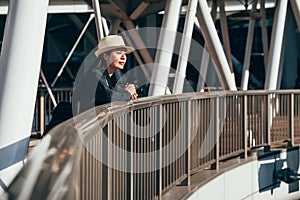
(140, 149)
(44, 106)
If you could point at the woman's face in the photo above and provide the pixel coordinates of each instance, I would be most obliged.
(116, 59)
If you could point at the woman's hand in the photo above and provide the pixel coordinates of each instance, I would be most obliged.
(132, 90)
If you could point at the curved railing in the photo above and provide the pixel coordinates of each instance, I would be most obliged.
(140, 149)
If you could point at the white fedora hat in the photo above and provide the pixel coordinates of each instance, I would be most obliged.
(112, 42)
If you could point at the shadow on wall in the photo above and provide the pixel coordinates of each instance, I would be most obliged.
(274, 170)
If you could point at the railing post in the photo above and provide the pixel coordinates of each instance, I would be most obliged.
(109, 162)
(131, 156)
(291, 120)
(189, 120)
(217, 131)
(42, 112)
(245, 109)
(269, 117)
(160, 151)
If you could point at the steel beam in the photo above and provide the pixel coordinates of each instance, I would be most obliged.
(205, 56)
(225, 35)
(72, 50)
(264, 32)
(98, 20)
(214, 46)
(139, 10)
(165, 47)
(185, 47)
(276, 45)
(248, 51)
(77, 22)
(20, 62)
(295, 4)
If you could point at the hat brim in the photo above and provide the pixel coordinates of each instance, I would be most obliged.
(98, 52)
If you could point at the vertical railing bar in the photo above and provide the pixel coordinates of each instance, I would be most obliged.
(189, 132)
(164, 139)
(179, 120)
(152, 149)
(122, 156)
(251, 128)
(176, 131)
(145, 165)
(217, 134)
(237, 123)
(195, 160)
(131, 195)
(240, 116)
(204, 128)
(115, 176)
(291, 120)
(170, 154)
(168, 135)
(269, 116)
(42, 113)
(212, 134)
(160, 150)
(155, 145)
(255, 101)
(262, 120)
(88, 173)
(92, 171)
(145, 162)
(182, 124)
(234, 138)
(100, 152)
(109, 160)
(232, 133)
(139, 146)
(173, 131)
(245, 126)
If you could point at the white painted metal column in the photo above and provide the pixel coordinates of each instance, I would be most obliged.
(214, 45)
(225, 34)
(264, 32)
(185, 47)
(276, 45)
(248, 51)
(205, 58)
(166, 42)
(19, 74)
(72, 50)
(203, 70)
(98, 19)
(296, 10)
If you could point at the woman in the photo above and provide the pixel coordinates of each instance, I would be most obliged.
(112, 56)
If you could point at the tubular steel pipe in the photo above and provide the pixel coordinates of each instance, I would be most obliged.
(185, 47)
(98, 20)
(165, 48)
(248, 52)
(276, 45)
(72, 50)
(214, 45)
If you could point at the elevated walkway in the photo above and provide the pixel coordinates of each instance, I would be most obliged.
(160, 146)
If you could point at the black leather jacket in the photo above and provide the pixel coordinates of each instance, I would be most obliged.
(97, 88)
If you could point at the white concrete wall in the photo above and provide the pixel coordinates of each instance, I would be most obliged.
(253, 180)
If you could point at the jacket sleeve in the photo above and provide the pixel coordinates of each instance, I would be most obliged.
(106, 95)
